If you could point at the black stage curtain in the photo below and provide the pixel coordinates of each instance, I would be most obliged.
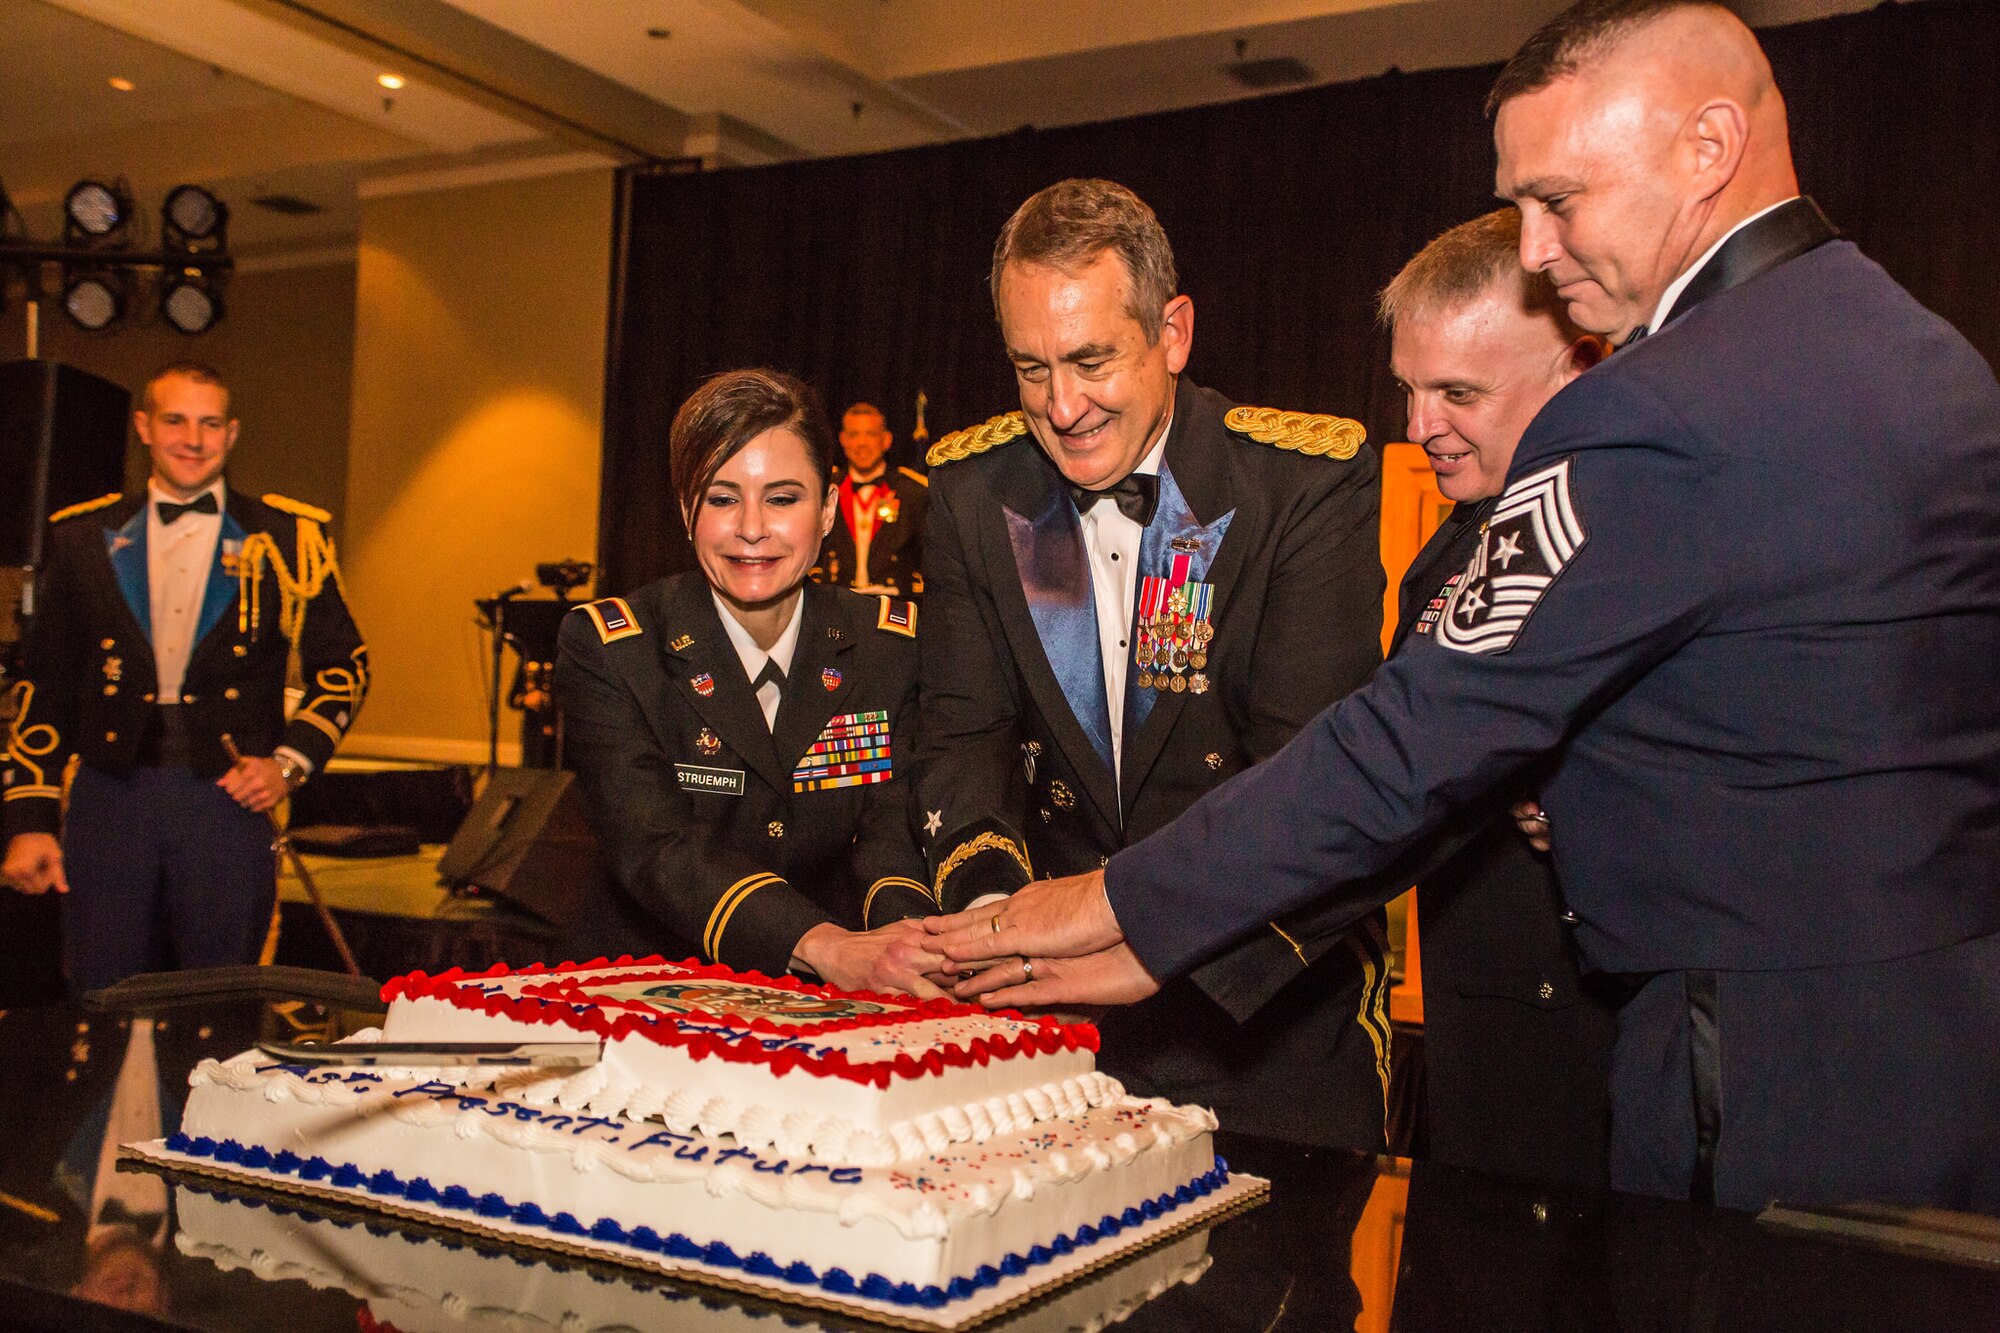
(867, 276)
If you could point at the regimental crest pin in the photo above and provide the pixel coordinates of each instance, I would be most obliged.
(704, 684)
(829, 677)
(708, 743)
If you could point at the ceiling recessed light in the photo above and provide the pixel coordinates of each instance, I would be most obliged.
(390, 81)
(121, 83)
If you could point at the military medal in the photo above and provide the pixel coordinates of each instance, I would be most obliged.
(704, 684)
(708, 742)
(1179, 684)
(1198, 683)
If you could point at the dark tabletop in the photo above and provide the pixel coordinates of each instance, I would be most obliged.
(1345, 1241)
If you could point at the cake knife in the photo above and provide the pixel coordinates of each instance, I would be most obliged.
(418, 1054)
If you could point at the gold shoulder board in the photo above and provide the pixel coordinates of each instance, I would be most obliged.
(87, 507)
(297, 508)
(977, 439)
(613, 618)
(898, 617)
(915, 476)
(1312, 433)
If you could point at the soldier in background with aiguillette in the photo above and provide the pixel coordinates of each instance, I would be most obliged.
(167, 625)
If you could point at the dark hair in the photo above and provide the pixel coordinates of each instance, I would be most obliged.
(731, 410)
(1072, 222)
(1573, 38)
(1465, 263)
(864, 410)
(198, 371)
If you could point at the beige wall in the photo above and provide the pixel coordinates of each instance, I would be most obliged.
(285, 344)
(475, 441)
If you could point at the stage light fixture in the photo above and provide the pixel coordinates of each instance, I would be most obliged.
(94, 299)
(193, 221)
(189, 301)
(96, 214)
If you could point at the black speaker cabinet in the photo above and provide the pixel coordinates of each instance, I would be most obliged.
(526, 841)
(62, 440)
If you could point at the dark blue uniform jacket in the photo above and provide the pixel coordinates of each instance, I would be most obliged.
(1745, 583)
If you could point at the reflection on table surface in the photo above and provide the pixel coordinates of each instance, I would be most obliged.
(1346, 1241)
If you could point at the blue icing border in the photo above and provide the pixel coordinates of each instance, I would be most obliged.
(646, 1240)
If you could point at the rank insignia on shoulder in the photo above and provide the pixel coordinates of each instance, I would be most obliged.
(978, 439)
(613, 618)
(87, 507)
(1534, 533)
(704, 684)
(1315, 434)
(898, 617)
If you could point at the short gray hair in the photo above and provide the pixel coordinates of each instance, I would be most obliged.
(1068, 225)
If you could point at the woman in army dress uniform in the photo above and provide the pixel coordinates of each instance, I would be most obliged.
(742, 736)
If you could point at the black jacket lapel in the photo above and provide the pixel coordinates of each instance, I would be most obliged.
(1781, 235)
(812, 696)
(709, 675)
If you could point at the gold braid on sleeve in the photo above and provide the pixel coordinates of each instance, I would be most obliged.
(965, 851)
(26, 743)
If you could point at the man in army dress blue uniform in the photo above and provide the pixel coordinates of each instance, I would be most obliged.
(1137, 590)
(1741, 587)
(167, 624)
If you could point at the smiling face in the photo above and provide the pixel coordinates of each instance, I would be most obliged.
(865, 439)
(1474, 375)
(758, 525)
(1095, 391)
(1608, 206)
(186, 427)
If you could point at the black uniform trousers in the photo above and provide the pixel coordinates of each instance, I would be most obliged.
(161, 856)
(1517, 1041)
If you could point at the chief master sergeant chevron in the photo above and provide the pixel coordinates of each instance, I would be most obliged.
(166, 622)
(1134, 591)
(1743, 585)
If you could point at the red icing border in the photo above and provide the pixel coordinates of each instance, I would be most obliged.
(561, 1001)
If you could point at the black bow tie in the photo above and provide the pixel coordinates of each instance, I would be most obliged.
(1137, 496)
(201, 504)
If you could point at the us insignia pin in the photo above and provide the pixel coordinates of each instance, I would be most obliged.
(829, 677)
(708, 742)
(704, 684)
(683, 643)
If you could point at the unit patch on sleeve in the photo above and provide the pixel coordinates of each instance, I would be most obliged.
(852, 751)
(1534, 533)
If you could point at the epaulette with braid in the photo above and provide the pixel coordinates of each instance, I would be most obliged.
(1313, 433)
(87, 507)
(977, 439)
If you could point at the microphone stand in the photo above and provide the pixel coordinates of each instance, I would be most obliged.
(495, 608)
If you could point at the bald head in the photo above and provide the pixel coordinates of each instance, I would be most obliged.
(1632, 135)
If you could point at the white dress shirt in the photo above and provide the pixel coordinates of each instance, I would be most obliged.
(754, 658)
(1111, 542)
(179, 558)
(1679, 285)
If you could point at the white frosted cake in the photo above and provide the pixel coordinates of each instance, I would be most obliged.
(918, 1158)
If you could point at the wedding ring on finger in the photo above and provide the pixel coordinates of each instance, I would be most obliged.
(996, 923)
(1027, 970)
